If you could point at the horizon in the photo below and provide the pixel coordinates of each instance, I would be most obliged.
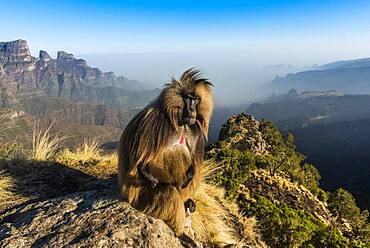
(235, 43)
(104, 27)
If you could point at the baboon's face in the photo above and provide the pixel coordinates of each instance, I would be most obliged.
(190, 108)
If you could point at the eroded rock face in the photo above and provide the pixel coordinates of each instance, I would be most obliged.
(65, 77)
(7, 90)
(14, 51)
(88, 219)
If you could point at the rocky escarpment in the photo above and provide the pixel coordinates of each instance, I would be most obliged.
(65, 77)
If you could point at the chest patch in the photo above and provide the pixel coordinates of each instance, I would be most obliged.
(182, 138)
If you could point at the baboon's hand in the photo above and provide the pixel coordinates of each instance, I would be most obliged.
(189, 176)
(145, 173)
(190, 204)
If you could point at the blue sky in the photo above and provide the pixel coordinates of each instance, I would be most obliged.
(102, 27)
(231, 41)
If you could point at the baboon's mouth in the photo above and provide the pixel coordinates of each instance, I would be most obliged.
(190, 120)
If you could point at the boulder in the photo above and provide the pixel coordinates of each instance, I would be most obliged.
(87, 219)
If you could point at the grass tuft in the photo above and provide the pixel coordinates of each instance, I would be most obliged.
(6, 186)
(90, 158)
(44, 144)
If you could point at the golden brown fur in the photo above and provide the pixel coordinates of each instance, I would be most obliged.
(151, 139)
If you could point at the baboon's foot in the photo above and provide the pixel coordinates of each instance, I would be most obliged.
(188, 242)
(190, 204)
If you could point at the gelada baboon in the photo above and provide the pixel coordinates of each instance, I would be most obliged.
(161, 150)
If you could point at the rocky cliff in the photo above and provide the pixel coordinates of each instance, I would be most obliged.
(7, 89)
(65, 77)
(66, 89)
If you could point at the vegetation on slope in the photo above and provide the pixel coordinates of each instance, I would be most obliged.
(332, 130)
(276, 186)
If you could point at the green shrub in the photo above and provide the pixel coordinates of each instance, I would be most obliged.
(235, 169)
(343, 206)
(322, 195)
(327, 237)
(281, 225)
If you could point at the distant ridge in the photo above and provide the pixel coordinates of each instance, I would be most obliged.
(356, 63)
(350, 77)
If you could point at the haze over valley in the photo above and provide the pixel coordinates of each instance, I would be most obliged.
(162, 123)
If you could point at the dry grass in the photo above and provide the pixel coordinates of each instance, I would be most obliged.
(2, 122)
(217, 221)
(44, 144)
(87, 157)
(90, 158)
(6, 186)
(212, 223)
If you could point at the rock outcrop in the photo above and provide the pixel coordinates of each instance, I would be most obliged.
(240, 132)
(88, 219)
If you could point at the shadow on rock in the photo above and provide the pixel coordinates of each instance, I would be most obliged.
(46, 179)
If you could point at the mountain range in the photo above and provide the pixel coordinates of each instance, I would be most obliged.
(350, 76)
(66, 88)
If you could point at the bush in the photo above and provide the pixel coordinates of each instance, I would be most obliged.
(234, 171)
(281, 225)
(322, 195)
(327, 237)
(343, 206)
(282, 156)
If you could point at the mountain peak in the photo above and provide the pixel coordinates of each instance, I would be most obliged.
(62, 55)
(44, 56)
(14, 51)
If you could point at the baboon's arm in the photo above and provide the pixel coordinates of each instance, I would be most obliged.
(145, 173)
(189, 175)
